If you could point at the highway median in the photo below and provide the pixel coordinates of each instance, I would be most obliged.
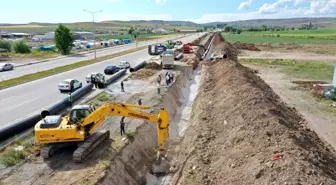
(30, 77)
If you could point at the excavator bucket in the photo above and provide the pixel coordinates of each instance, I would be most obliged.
(161, 165)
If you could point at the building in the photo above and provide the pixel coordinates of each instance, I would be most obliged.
(84, 36)
(159, 30)
(15, 35)
(49, 36)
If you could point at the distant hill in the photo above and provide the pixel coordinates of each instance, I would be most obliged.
(40, 28)
(296, 22)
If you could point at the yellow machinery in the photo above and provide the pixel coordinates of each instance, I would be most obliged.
(56, 132)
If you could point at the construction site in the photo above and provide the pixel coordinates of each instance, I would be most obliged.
(226, 126)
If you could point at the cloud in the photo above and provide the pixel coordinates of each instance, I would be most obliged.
(127, 17)
(297, 2)
(245, 5)
(322, 7)
(228, 17)
(273, 7)
(158, 1)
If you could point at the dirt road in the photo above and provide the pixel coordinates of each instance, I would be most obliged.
(287, 55)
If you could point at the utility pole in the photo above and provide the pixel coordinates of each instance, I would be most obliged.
(94, 31)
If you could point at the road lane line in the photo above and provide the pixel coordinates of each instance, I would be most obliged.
(18, 105)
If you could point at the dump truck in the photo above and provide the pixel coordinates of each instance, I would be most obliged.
(168, 59)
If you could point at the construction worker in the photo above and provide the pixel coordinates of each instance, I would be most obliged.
(158, 89)
(122, 86)
(171, 76)
(139, 101)
(70, 99)
(159, 79)
(167, 79)
(122, 126)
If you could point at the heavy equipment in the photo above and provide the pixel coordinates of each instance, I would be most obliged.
(78, 129)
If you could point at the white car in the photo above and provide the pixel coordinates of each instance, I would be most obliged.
(6, 66)
(69, 85)
(100, 77)
(124, 65)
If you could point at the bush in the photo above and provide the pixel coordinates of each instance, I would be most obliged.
(21, 47)
(278, 35)
(5, 44)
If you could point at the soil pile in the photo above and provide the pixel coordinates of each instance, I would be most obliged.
(245, 46)
(153, 65)
(241, 133)
(143, 74)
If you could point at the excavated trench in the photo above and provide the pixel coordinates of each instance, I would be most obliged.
(133, 164)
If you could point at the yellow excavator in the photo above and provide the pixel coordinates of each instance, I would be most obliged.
(78, 129)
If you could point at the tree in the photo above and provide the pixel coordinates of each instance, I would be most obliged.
(21, 47)
(131, 30)
(63, 39)
(293, 28)
(5, 44)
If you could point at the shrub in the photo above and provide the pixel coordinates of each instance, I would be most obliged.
(21, 47)
(278, 35)
(5, 44)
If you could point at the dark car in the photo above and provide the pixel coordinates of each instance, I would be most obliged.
(110, 70)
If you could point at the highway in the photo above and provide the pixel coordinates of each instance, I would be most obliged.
(24, 70)
(23, 100)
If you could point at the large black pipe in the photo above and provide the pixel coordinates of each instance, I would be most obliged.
(138, 66)
(26, 123)
(115, 77)
(17, 127)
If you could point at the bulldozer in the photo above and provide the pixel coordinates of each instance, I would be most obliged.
(78, 128)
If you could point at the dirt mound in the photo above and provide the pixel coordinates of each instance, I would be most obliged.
(241, 133)
(153, 65)
(218, 39)
(245, 46)
(143, 74)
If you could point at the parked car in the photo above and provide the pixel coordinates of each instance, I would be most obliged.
(100, 76)
(124, 65)
(110, 70)
(6, 66)
(69, 85)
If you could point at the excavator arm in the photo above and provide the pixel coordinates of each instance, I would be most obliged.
(98, 116)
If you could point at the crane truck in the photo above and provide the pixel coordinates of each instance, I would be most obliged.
(78, 128)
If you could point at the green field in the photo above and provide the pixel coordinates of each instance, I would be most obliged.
(87, 26)
(319, 36)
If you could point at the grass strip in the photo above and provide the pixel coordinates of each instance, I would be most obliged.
(312, 70)
(42, 74)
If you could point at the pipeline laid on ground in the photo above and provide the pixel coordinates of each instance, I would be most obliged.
(138, 66)
(26, 123)
(115, 77)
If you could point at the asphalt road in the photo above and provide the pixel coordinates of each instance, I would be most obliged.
(24, 70)
(23, 100)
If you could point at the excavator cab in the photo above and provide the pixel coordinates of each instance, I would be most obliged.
(80, 112)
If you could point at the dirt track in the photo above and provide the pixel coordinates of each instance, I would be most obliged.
(287, 55)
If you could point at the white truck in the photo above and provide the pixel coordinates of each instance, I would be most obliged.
(167, 59)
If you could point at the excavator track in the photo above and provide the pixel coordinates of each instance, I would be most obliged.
(87, 146)
(48, 150)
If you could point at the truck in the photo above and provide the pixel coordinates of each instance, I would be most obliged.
(167, 59)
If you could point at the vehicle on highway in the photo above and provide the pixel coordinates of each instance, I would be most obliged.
(100, 77)
(6, 66)
(124, 65)
(69, 85)
(111, 69)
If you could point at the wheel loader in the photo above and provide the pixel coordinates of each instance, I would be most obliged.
(78, 129)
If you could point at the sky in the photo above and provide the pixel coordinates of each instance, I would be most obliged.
(199, 11)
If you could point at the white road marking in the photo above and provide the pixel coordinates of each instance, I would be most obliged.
(18, 105)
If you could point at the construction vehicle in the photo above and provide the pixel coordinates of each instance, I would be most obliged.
(78, 129)
(167, 59)
(187, 49)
